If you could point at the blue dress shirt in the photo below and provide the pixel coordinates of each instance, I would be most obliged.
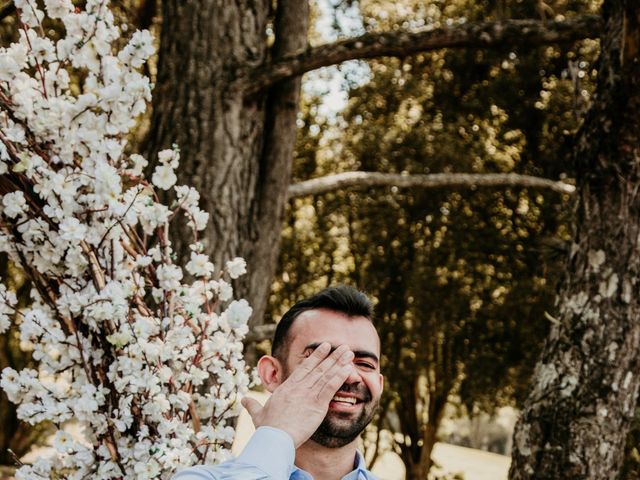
(269, 455)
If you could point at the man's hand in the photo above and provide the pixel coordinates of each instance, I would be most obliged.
(300, 403)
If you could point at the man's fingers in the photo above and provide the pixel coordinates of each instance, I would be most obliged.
(312, 361)
(333, 379)
(339, 357)
(323, 373)
(253, 407)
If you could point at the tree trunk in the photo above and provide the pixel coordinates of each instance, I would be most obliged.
(419, 462)
(261, 251)
(585, 386)
(218, 132)
(235, 149)
(416, 456)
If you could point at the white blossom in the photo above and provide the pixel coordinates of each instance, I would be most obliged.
(169, 276)
(14, 204)
(58, 8)
(169, 157)
(139, 48)
(238, 313)
(152, 216)
(198, 219)
(236, 267)
(72, 230)
(138, 163)
(30, 14)
(225, 290)
(199, 265)
(63, 442)
(123, 339)
(8, 302)
(164, 177)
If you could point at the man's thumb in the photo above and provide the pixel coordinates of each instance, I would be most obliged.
(253, 407)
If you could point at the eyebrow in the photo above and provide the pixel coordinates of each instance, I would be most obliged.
(356, 353)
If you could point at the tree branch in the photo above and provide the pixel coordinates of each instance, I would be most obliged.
(506, 34)
(436, 180)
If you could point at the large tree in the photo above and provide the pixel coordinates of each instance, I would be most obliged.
(586, 384)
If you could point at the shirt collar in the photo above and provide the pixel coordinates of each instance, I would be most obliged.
(359, 472)
(359, 463)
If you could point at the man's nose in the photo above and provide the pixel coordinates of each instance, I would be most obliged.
(354, 376)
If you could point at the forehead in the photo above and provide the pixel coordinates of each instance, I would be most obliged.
(320, 325)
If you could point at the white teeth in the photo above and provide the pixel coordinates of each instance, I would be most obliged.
(339, 398)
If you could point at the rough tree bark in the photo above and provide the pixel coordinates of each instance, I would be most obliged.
(236, 149)
(220, 135)
(227, 99)
(274, 176)
(585, 387)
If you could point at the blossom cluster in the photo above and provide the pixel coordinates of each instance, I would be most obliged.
(148, 363)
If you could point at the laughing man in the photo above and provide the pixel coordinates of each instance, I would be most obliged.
(325, 381)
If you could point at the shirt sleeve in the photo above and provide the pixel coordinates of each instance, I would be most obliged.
(269, 455)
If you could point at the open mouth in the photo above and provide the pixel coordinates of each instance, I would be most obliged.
(344, 400)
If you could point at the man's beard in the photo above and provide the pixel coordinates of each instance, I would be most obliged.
(338, 429)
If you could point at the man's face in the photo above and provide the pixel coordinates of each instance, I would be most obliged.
(354, 405)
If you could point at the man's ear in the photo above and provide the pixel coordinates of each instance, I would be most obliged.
(270, 371)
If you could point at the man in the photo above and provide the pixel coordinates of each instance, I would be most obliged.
(324, 376)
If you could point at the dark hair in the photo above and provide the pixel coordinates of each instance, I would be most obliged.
(341, 299)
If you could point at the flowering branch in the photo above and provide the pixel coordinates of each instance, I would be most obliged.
(124, 345)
